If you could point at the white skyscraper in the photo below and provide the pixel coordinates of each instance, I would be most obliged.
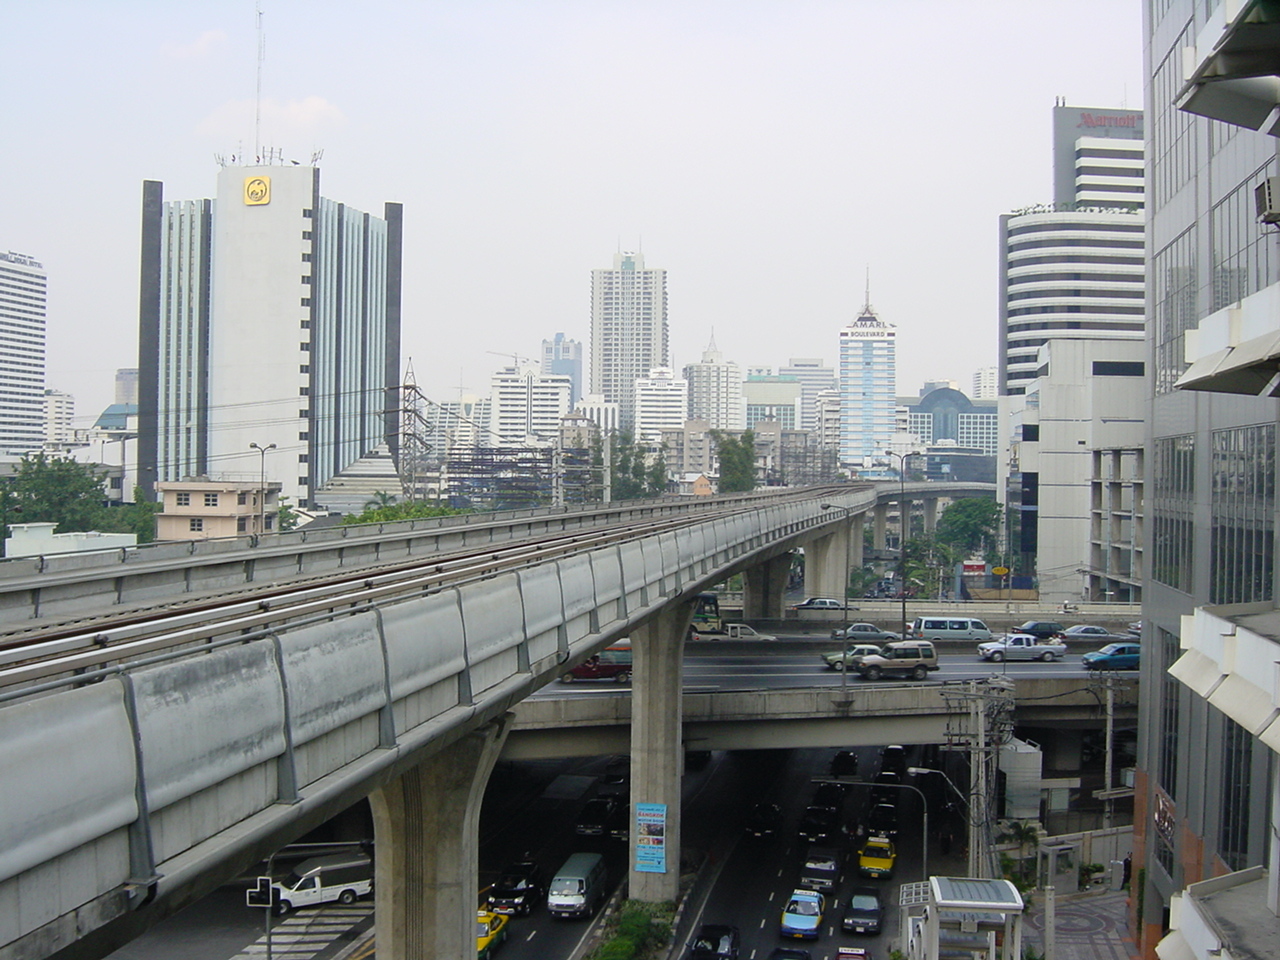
(986, 383)
(59, 415)
(815, 377)
(661, 404)
(628, 330)
(23, 300)
(868, 388)
(715, 390)
(1074, 269)
(528, 407)
(269, 317)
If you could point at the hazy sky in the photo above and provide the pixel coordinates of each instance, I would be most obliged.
(765, 152)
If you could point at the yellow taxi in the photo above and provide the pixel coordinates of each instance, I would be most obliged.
(491, 930)
(876, 858)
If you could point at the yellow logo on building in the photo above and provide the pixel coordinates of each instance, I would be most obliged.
(257, 191)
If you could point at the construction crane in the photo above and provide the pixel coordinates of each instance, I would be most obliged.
(515, 357)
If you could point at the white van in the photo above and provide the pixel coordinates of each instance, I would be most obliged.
(947, 628)
(578, 887)
(339, 876)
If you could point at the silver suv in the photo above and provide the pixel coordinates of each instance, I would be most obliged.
(907, 658)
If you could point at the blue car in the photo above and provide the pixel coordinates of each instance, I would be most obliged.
(1114, 656)
(802, 915)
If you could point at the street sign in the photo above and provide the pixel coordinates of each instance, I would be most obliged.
(1000, 571)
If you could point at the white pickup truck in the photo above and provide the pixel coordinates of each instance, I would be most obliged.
(1021, 646)
(732, 631)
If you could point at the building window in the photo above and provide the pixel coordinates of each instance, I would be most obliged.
(1242, 252)
(306, 234)
(1170, 714)
(306, 302)
(1242, 508)
(306, 278)
(1173, 275)
(304, 347)
(306, 212)
(195, 524)
(304, 368)
(243, 498)
(304, 414)
(1236, 783)
(183, 499)
(210, 499)
(306, 324)
(306, 258)
(304, 391)
(1172, 512)
(269, 522)
(304, 436)
(242, 524)
(302, 458)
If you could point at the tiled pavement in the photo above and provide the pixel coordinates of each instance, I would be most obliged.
(1089, 926)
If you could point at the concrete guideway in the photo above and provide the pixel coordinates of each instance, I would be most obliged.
(181, 771)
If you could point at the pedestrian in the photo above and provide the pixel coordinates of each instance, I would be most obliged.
(1128, 871)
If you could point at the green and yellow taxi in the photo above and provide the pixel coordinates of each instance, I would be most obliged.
(491, 930)
(876, 858)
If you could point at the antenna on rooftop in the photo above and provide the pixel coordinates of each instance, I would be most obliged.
(257, 100)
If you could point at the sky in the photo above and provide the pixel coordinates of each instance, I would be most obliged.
(771, 155)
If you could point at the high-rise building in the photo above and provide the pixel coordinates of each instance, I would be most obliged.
(868, 387)
(269, 321)
(814, 377)
(775, 398)
(661, 404)
(986, 383)
(23, 304)
(1074, 269)
(528, 407)
(1207, 785)
(628, 330)
(563, 357)
(715, 390)
(59, 419)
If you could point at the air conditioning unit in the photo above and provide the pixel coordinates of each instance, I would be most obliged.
(1266, 199)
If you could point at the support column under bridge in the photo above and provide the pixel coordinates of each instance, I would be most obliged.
(426, 830)
(764, 588)
(829, 559)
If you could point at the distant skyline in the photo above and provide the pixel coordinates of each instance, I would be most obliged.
(765, 154)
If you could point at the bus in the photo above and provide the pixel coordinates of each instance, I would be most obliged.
(706, 614)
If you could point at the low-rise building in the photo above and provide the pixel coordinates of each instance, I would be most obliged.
(203, 509)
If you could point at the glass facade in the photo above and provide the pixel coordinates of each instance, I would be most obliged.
(1242, 557)
(1171, 511)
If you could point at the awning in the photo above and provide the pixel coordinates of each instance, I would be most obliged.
(1252, 368)
(1175, 947)
(1236, 81)
(1246, 704)
(1198, 672)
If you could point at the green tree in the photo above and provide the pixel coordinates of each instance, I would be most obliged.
(402, 511)
(137, 518)
(970, 525)
(632, 476)
(737, 461)
(380, 498)
(58, 490)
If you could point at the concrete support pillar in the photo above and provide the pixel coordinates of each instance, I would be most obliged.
(426, 829)
(824, 564)
(879, 520)
(764, 588)
(657, 753)
(904, 520)
(857, 524)
(930, 515)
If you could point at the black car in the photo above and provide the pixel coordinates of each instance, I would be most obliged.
(519, 888)
(887, 787)
(619, 825)
(790, 953)
(844, 764)
(1041, 629)
(819, 825)
(593, 821)
(763, 820)
(894, 758)
(714, 941)
(864, 911)
(829, 795)
(881, 821)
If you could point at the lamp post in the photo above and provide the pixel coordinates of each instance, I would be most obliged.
(904, 520)
(262, 484)
(974, 840)
(844, 633)
(924, 815)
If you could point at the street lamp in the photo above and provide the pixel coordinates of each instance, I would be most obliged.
(974, 839)
(904, 515)
(924, 813)
(844, 634)
(262, 484)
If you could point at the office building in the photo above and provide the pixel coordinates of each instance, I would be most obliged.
(23, 306)
(773, 398)
(126, 392)
(603, 413)
(1074, 268)
(563, 357)
(715, 390)
(269, 321)
(527, 407)
(661, 404)
(1207, 843)
(59, 420)
(945, 414)
(628, 330)
(868, 388)
(986, 383)
(815, 377)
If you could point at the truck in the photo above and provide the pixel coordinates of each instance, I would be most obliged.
(1021, 646)
(731, 631)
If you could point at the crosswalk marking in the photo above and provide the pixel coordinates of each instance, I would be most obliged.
(307, 932)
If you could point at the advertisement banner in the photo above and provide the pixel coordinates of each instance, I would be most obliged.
(651, 837)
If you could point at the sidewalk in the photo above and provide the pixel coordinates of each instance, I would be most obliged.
(1090, 926)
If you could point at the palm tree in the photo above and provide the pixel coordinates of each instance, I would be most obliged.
(380, 499)
(1025, 833)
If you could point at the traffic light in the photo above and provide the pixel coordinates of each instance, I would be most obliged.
(259, 896)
